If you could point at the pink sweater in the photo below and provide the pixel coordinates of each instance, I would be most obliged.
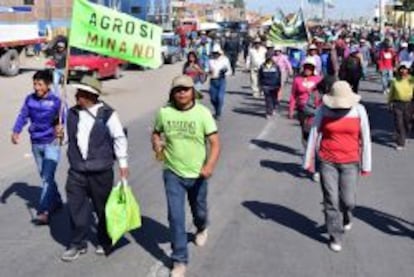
(283, 63)
(302, 87)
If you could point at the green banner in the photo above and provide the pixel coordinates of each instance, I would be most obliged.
(105, 31)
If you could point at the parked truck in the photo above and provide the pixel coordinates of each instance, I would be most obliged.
(14, 39)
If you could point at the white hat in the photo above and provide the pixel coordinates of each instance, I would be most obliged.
(405, 64)
(278, 48)
(309, 61)
(404, 44)
(269, 44)
(312, 47)
(257, 40)
(341, 96)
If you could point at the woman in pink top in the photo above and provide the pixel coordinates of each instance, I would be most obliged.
(285, 67)
(304, 95)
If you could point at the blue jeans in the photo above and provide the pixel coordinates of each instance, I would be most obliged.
(57, 76)
(177, 188)
(217, 91)
(339, 193)
(47, 157)
(386, 76)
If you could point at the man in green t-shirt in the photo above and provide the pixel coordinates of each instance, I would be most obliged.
(182, 129)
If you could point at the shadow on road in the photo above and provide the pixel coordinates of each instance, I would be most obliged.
(249, 112)
(58, 222)
(293, 169)
(381, 123)
(150, 235)
(288, 218)
(266, 145)
(384, 222)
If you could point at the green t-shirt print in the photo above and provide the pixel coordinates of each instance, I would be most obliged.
(185, 138)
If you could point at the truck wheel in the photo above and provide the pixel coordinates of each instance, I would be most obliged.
(9, 63)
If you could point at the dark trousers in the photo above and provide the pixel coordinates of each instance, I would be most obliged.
(81, 189)
(402, 120)
(271, 102)
(233, 57)
(354, 83)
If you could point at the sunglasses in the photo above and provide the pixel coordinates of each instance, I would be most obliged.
(181, 89)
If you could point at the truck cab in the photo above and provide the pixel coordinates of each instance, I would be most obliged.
(170, 48)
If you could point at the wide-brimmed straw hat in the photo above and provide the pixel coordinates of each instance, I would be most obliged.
(89, 84)
(341, 96)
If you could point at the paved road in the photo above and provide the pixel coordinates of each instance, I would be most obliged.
(266, 217)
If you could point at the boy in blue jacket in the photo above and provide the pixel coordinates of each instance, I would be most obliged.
(269, 82)
(42, 109)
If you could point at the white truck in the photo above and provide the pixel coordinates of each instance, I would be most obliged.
(14, 38)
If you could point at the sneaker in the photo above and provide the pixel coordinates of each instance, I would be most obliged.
(72, 254)
(201, 238)
(335, 245)
(399, 148)
(348, 226)
(178, 270)
(41, 219)
(100, 251)
(316, 177)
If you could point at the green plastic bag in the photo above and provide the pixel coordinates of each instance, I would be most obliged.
(122, 212)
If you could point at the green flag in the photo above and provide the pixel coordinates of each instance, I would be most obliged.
(105, 31)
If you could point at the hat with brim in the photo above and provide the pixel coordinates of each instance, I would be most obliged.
(257, 40)
(312, 47)
(404, 64)
(341, 96)
(182, 81)
(89, 84)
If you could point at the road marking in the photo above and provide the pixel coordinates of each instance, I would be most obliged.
(262, 134)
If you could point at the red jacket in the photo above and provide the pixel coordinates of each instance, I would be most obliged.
(387, 59)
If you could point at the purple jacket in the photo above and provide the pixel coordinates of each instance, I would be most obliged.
(43, 114)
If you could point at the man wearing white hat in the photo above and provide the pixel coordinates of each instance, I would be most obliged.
(255, 58)
(95, 138)
(340, 138)
(313, 53)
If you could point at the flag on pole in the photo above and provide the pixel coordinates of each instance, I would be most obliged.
(105, 31)
(288, 30)
(328, 3)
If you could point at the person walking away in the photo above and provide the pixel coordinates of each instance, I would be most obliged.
(285, 67)
(59, 61)
(270, 83)
(386, 62)
(351, 69)
(255, 58)
(232, 50)
(193, 69)
(340, 136)
(296, 56)
(220, 68)
(400, 102)
(95, 139)
(185, 126)
(365, 50)
(304, 91)
(42, 108)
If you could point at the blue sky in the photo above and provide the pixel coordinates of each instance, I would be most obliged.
(343, 8)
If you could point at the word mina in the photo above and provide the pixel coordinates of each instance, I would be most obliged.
(117, 25)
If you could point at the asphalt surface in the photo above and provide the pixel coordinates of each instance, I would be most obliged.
(266, 216)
